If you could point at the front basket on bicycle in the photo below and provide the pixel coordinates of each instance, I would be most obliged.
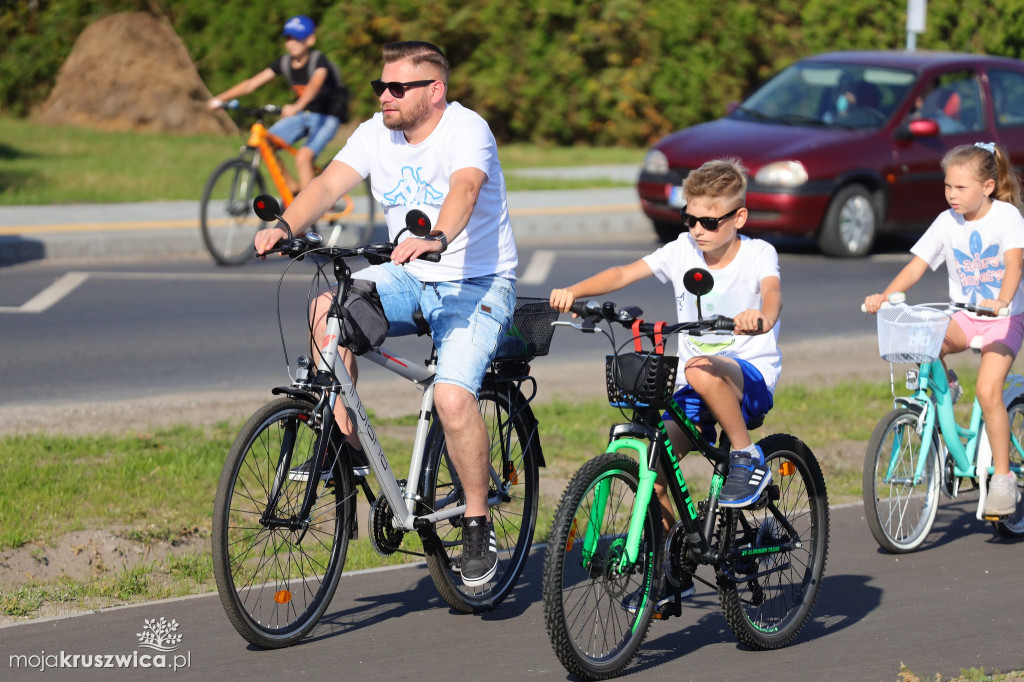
(911, 334)
(640, 379)
(530, 333)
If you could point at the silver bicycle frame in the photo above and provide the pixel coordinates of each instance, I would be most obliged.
(402, 505)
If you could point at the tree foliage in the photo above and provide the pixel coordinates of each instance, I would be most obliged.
(556, 71)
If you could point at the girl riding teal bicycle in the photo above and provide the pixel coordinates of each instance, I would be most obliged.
(981, 241)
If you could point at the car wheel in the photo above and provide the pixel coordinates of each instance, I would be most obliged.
(851, 223)
(668, 231)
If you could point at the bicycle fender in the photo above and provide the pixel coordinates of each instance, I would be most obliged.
(297, 393)
(1014, 388)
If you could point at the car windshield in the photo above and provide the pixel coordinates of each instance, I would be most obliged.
(853, 96)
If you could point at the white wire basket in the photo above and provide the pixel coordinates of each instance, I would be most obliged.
(911, 334)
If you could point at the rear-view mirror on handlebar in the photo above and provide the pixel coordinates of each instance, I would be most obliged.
(266, 207)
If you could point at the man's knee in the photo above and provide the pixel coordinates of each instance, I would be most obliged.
(454, 404)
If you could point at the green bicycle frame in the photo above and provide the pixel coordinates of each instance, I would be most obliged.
(645, 450)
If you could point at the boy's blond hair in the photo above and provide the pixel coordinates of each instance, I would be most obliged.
(723, 181)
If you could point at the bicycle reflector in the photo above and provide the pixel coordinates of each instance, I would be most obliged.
(283, 596)
(787, 469)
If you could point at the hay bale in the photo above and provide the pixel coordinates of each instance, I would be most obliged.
(130, 71)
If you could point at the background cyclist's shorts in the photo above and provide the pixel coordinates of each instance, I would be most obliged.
(757, 401)
(1008, 331)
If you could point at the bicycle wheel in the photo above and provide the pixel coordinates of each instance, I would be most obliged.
(226, 218)
(900, 512)
(769, 597)
(591, 631)
(355, 229)
(275, 583)
(515, 454)
(1013, 527)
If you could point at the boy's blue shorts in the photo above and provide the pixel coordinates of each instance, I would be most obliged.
(757, 400)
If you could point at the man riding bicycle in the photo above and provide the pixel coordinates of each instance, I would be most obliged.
(422, 152)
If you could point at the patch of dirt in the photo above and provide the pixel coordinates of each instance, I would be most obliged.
(90, 554)
(131, 71)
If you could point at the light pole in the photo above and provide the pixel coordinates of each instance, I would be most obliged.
(916, 11)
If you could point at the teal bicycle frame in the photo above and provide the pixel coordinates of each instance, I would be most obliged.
(968, 448)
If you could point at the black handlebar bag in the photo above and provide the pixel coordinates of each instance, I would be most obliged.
(364, 326)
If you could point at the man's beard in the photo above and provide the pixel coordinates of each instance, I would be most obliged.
(398, 120)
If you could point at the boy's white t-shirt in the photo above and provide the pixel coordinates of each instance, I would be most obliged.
(974, 252)
(737, 288)
(406, 176)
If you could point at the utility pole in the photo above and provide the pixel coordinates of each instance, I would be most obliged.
(916, 11)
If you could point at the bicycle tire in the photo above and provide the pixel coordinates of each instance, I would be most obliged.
(226, 218)
(1013, 527)
(900, 515)
(273, 590)
(505, 411)
(593, 634)
(769, 611)
(356, 233)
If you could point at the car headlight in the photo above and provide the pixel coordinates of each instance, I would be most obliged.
(782, 174)
(655, 162)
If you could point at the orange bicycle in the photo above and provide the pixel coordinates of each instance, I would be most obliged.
(226, 218)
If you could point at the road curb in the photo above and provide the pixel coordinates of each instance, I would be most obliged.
(82, 232)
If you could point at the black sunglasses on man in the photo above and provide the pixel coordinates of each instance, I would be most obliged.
(396, 88)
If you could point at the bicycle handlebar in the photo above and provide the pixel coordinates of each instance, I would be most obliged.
(256, 112)
(969, 307)
(296, 247)
(627, 315)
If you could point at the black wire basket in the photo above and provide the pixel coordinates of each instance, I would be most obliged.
(640, 379)
(530, 333)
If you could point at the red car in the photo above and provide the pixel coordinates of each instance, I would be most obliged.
(845, 146)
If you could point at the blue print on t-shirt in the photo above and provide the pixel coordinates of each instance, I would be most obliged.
(411, 190)
(980, 271)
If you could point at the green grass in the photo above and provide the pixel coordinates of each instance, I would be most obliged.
(159, 486)
(42, 164)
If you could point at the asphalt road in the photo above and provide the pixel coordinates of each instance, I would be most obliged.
(96, 330)
(950, 606)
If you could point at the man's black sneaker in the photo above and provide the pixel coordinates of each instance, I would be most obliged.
(479, 560)
(748, 477)
(666, 605)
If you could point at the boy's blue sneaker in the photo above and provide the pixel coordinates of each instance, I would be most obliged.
(747, 479)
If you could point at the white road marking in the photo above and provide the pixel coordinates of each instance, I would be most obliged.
(49, 296)
(540, 265)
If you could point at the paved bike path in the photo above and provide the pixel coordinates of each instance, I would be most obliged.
(31, 233)
(949, 606)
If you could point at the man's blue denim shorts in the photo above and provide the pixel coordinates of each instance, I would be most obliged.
(467, 318)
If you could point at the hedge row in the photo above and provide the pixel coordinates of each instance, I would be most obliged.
(559, 71)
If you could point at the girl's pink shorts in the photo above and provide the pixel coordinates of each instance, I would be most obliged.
(1008, 331)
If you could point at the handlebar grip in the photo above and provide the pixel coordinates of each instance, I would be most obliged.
(430, 256)
(726, 324)
(579, 307)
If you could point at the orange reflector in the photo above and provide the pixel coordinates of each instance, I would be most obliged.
(787, 469)
(514, 478)
(283, 597)
(572, 537)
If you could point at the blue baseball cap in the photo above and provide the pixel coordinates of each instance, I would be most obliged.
(300, 27)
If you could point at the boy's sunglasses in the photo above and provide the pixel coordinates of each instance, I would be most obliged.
(397, 89)
(709, 224)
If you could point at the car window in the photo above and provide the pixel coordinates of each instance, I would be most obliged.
(953, 100)
(1007, 97)
(842, 95)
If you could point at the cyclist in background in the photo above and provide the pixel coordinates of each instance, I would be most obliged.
(321, 103)
(422, 152)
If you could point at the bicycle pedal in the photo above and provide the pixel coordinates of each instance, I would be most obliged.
(667, 610)
(995, 517)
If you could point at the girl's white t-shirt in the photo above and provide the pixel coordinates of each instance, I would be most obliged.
(406, 177)
(974, 252)
(737, 288)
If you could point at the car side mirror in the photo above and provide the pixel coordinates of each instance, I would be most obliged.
(923, 127)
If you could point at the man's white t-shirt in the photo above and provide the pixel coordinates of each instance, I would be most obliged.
(406, 177)
(737, 288)
(974, 252)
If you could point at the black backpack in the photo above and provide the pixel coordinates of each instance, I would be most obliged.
(339, 105)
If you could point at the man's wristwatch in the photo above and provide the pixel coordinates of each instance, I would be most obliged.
(439, 236)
